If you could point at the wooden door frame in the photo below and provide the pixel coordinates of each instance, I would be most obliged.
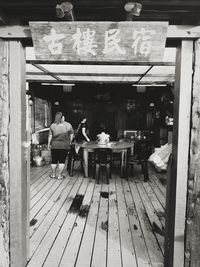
(179, 171)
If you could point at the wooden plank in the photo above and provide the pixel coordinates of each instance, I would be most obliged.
(100, 78)
(160, 211)
(180, 156)
(40, 182)
(42, 192)
(158, 192)
(193, 205)
(128, 62)
(78, 75)
(159, 179)
(36, 173)
(151, 214)
(87, 243)
(48, 229)
(39, 215)
(45, 198)
(72, 249)
(127, 247)
(99, 41)
(100, 243)
(136, 230)
(17, 142)
(54, 257)
(154, 251)
(173, 32)
(114, 246)
(4, 153)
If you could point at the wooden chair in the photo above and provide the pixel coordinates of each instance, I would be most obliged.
(102, 158)
(142, 151)
(73, 157)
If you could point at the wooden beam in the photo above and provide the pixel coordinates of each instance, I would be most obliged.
(144, 75)
(184, 84)
(174, 244)
(4, 163)
(164, 63)
(46, 72)
(174, 32)
(90, 74)
(95, 4)
(192, 252)
(17, 157)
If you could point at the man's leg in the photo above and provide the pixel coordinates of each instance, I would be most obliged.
(53, 169)
(60, 170)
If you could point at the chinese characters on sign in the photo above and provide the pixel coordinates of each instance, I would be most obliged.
(142, 42)
(54, 44)
(99, 41)
(84, 42)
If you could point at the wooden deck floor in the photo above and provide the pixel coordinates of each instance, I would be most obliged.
(75, 222)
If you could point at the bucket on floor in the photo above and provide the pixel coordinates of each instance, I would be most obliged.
(46, 154)
(35, 152)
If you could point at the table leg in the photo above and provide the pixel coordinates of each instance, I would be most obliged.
(85, 161)
(122, 163)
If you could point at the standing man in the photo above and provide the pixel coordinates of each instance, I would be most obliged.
(60, 138)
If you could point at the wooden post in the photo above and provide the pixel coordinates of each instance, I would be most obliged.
(17, 157)
(4, 165)
(192, 254)
(177, 191)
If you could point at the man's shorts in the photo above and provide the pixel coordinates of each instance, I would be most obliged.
(58, 155)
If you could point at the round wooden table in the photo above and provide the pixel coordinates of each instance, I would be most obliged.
(118, 146)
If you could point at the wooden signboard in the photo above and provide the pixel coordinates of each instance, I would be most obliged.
(99, 41)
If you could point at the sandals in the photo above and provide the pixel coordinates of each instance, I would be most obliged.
(60, 177)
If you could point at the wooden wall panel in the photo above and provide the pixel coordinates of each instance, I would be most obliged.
(192, 253)
(18, 157)
(4, 165)
(178, 176)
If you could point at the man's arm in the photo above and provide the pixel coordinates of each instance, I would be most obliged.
(49, 139)
(84, 134)
(71, 134)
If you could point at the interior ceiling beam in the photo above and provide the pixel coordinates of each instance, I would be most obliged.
(144, 74)
(103, 74)
(131, 63)
(97, 82)
(174, 32)
(46, 72)
(95, 3)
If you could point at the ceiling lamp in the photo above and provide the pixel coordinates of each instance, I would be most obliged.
(65, 11)
(67, 88)
(141, 89)
(133, 9)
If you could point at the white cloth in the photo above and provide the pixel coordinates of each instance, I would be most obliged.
(160, 157)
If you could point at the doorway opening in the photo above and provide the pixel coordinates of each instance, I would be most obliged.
(130, 213)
